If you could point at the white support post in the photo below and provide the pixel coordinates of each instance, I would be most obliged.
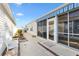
(47, 29)
(68, 29)
(56, 29)
(36, 29)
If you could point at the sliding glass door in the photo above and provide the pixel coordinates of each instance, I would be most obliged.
(74, 32)
(69, 37)
(39, 29)
(63, 29)
(42, 28)
(51, 30)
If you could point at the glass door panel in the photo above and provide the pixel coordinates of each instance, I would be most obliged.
(63, 29)
(51, 30)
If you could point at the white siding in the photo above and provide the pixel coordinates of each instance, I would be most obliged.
(6, 28)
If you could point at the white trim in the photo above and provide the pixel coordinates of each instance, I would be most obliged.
(72, 27)
(68, 28)
(54, 10)
(47, 29)
(56, 29)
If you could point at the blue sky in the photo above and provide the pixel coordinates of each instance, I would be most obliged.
(26, 12)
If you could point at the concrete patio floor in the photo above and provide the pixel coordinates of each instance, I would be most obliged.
(32, 48)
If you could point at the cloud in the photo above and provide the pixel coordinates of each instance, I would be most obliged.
(18, 4)
(19, 14)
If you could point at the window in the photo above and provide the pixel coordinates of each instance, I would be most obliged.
(76, 27)
(51, 30)
(66, 27)
(74, 36)
(31, 29)
(73, 29)
(42, 28)
(63, 29)
(39, 28)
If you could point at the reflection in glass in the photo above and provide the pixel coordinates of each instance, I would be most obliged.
(63, 38)
(74, 35)
(74, 41)
(39, 28)
(44, 32)
(51, 30)
(63, 29)
(42, 28)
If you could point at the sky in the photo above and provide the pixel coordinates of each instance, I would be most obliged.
(27, 12)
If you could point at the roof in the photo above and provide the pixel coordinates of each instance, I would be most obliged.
(8, 12)
(54, 10)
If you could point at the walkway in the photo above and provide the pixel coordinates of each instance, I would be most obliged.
(32, 48)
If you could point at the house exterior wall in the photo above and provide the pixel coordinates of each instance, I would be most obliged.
(66, 24)
(2, 32)
(11, 26)
(7, 26)
(32, 28)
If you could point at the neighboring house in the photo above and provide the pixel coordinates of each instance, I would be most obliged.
(32, 28)
(7, 25)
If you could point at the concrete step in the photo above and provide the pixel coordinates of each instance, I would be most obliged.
(59, 50)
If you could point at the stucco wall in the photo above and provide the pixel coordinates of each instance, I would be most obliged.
(32, 26)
